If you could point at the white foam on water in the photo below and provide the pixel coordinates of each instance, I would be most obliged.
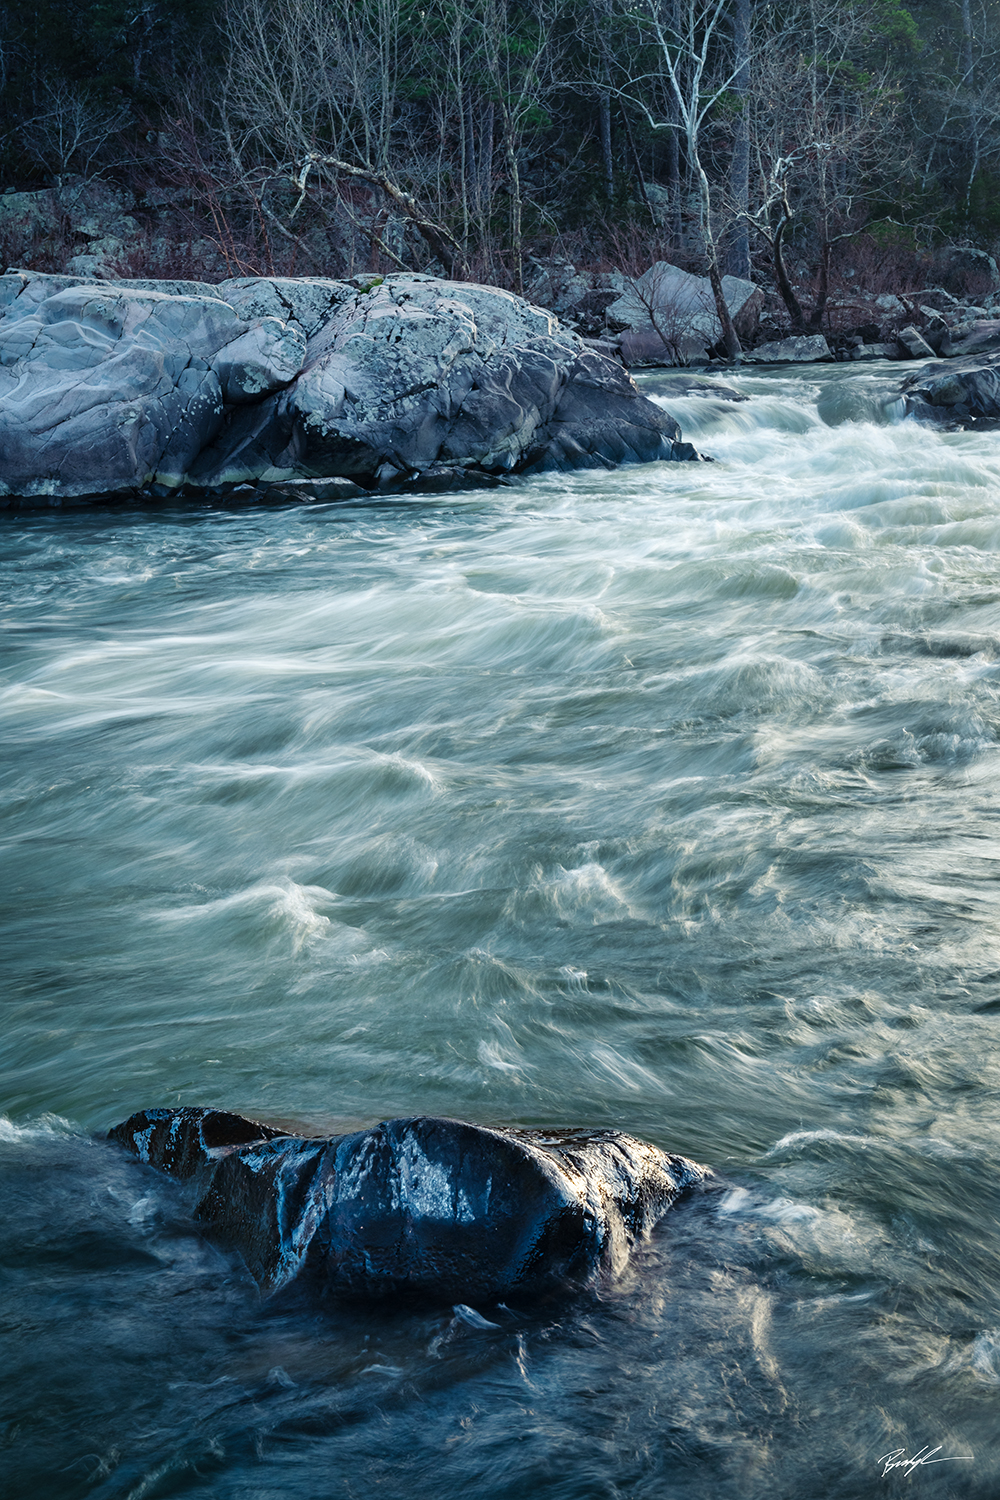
(588, 892)
(46, 1125)
(798, 1138)
(491, 1055)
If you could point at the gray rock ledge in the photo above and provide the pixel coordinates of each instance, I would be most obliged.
(427, 1207)
(158, 387)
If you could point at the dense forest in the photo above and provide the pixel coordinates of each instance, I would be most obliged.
(801, 141)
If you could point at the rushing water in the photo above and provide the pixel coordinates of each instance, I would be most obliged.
(664, 799)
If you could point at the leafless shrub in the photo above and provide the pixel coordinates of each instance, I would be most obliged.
(72, 130)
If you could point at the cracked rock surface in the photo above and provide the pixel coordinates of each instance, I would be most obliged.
(433, 1207)
(114, 388)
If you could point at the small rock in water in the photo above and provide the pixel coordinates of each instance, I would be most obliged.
(681, 385)
(433, 1207)
(310, 490)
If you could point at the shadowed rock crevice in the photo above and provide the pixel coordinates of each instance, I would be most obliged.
(429, 1207)
(132, 387)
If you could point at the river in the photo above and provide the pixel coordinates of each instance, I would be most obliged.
(665, 799)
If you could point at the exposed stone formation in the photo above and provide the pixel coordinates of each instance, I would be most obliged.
(424, 1206)
(131, 387)
(667, 316)
(963, 393)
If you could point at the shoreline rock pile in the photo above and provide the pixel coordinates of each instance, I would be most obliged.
(666, 316)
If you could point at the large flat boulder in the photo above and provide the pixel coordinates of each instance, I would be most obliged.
(110, 388)
(429, 1207)
(975, 336)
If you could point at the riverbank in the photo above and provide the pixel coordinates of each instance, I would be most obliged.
(101, 231)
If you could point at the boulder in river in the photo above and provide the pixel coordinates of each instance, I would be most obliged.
(962, 393)
(125, 387)
(432, 1207)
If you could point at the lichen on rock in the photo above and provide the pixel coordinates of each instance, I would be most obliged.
(111, 388)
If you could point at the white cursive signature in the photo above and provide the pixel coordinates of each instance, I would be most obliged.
(897, 1459)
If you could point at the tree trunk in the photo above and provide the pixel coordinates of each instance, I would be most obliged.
(486, 158)
(823, 291)
(738, 252)
(636, 163)
(730, 338)
(471, 193)
(609, 169)
(514, 178)
(966, 44)
(674, 188)
(784, 284)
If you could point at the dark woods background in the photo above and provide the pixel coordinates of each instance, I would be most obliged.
(840, 142)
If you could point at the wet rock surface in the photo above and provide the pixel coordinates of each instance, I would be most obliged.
(128, 387)
(960, 393)
(429, 1207)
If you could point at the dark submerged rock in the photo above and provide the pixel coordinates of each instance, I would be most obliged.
(684, 385)
(432, 1207)
(128, 387)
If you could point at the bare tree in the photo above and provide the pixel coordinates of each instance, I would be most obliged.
(71, 129)
(738, 253)
(957, 114)
(695, 64)
(821, 137)
(518, 61)
(310, 99)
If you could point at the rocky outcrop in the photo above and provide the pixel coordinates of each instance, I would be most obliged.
(667, 316)
(962, 393)
(427, 1207)
(87, 216)
(122, 387)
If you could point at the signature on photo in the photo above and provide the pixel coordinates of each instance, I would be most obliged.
(897, 1459)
